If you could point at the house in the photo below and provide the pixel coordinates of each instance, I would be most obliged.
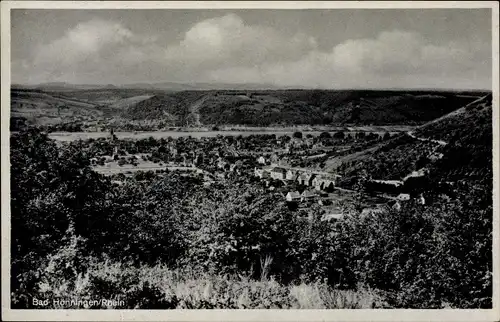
(291, 175)
(273, 159)
(395, 183)
(284, 162)
(306, 179)
(261, 173)
(115, 153)
(310, 177)
(317, 182)
(302, 179)
(222, 165)
(261, 160)
(293, 196)
(325, 182)
(403, 197)
(416, 174)
(322, 183)
(278, 173)
(327, 185)
(421, 199)
(436, 156)
(330, 217)
(309, 195)
(318, 145)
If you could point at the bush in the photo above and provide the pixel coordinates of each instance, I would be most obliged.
(426, 256)
(339, 135)
(325, 135)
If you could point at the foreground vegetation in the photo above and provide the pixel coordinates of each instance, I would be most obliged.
(172, 242)
(158, 287)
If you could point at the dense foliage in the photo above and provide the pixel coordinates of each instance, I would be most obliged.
(68, 222)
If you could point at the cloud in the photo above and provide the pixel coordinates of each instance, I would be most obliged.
(228, 41)
(85, 41)
(226, 49)
(392, 59)
(82, 50)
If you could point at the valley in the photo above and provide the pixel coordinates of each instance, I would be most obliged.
(205, 180)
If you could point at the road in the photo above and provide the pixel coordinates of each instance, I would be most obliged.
(307, 170)
(411, 134)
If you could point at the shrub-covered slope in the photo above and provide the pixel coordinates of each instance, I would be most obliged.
(454, 147)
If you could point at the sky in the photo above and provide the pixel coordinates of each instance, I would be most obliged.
(334, 48)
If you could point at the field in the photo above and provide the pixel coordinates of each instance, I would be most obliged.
(114, 168)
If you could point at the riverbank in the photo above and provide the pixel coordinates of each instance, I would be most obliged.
(201, 132)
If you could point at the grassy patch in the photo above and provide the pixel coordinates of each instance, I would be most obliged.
(158, 287)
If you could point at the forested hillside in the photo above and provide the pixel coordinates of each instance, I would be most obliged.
(244, 107)
(453, 148)
(263, 108)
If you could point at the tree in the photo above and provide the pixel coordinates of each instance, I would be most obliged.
(360, 135)
(325, 135)
(339, 135)
(51, 190)
(297, 135)
(427, 256)
(372, 136)
(422, 161)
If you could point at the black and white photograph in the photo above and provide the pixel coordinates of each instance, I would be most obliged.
(213, 157)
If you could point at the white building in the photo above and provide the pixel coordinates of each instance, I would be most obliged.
(293, 196)
(403, 197)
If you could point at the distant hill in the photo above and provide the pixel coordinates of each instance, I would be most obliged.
(37, 107)
(454, 147)
(248, 107)
(173, 86)
(164, 86)
(294, 107)
(460, 122)
(61, 87)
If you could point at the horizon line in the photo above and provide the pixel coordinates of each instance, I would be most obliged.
(264, 86)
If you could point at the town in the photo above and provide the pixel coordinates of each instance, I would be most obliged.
(290, 166)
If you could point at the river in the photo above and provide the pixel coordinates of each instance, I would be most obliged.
(74, 136)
